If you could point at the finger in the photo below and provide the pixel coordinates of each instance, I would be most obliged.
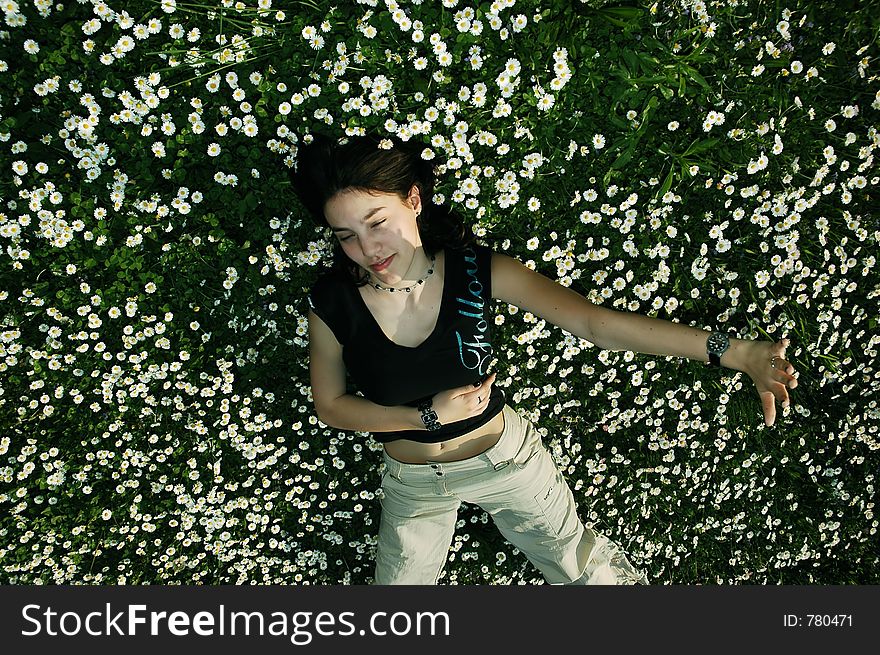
(769, 406)
(778, 348)
(785, 373)
(469, 389)
(485, 382)
(782, 396)
(783, 345)
(788, 379)
(479, 403)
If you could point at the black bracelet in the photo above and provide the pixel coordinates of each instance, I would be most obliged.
(429, 416)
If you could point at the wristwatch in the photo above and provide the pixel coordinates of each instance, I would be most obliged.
(716, 345)
(429, 416)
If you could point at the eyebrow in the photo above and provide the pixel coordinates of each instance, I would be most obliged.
(366, 216)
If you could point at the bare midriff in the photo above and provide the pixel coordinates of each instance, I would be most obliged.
(467, 445)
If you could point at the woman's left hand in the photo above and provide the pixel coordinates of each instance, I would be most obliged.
(772, 374)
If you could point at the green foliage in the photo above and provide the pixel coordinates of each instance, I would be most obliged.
(710, 163)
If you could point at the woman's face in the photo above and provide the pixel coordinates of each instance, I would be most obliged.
(377, 231)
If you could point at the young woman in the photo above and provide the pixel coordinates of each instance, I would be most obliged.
(405, 313)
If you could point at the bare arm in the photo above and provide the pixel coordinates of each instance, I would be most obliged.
(342, 410)
(514, 283)
(346, 411)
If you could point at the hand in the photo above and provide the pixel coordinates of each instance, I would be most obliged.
(463, 402)
(772, 382)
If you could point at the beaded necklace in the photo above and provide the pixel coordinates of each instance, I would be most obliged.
(409, 288)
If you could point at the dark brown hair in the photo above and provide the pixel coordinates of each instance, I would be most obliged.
(326, 167)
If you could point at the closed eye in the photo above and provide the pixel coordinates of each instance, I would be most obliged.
(376, 224)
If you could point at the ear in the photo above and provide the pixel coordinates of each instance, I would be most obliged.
(415, 198)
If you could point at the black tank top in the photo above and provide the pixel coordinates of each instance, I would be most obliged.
(458, 352)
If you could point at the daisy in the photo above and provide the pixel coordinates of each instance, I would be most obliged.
(545, 102)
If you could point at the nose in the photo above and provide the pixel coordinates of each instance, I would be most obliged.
(370, 246)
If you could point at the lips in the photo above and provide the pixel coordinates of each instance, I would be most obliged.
(381, 266)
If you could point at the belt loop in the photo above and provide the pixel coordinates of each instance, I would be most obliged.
(392, 466)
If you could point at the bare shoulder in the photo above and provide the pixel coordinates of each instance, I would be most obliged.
(508, 277)
(321, 337)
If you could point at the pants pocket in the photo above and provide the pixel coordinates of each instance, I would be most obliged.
(556, 501)
(553, 501)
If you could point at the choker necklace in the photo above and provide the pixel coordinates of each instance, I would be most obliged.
(410, 288)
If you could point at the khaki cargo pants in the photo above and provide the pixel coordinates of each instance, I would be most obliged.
(518, 484)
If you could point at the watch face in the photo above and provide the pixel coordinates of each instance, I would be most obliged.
(717, 343)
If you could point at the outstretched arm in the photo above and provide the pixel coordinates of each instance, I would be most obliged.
(763, 361)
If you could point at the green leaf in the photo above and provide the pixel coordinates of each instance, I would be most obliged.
(626, 13)
(618, 122)
(247, 204)
(700, 146)
(618, 91)
(626, 155)
(667, 183)
(695, 76)
(646, 112)
(632, 60)
(621, 16)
